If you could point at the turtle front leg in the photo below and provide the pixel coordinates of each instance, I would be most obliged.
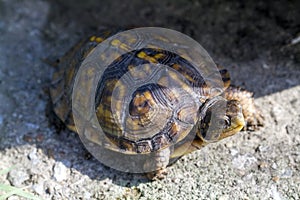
(252, 114)
(159, 162)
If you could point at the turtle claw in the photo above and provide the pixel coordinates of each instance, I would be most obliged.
(255, 122)
(157, 175)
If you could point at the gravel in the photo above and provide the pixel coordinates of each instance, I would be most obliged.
(258, 41)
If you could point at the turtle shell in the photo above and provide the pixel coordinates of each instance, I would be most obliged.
(64, 76)
(156, 113)
(146, 99)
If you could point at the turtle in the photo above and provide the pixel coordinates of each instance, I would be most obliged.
(172, 113)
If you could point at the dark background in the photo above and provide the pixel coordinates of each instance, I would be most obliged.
(240, 30)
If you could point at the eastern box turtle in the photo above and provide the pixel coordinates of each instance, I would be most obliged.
(153, 105)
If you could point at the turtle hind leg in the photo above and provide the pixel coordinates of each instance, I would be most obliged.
(252, 114)
(159, 161)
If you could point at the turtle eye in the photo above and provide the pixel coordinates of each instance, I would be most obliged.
(227, 121)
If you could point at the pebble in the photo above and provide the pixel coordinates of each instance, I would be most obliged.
(17, 177)
(274, 166)
(13, 198)
(39, 188)
(243, 162)
(275, 194)
(234, 152)
(32, 155)
(265, 66)
(87, 195)
(262, 148)
(287, 173)
(60, 172)
(224, 197)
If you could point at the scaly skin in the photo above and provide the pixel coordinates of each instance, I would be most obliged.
(253, 117)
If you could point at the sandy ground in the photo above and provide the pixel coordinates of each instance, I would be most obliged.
(259, 42)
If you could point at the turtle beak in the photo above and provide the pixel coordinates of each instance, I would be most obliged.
(236, 124)
(239, 121)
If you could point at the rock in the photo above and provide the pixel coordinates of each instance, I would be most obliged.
(32, 155)
(17, 177)
(39, 188)
(60, 172)
(274, 193)
(243, 162)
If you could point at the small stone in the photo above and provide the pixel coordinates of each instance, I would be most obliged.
(261, 148)
(17, 177)
(60, 172)
(32, 155)
(242, 162)
(13, 198)
(275, 194)
(276, 178)
(263, 165)
(265, 66)
(274, 166)
(224, 197)
(39, 188)
(233, 152)
(176, 180)
(87, 195)
(287, 173)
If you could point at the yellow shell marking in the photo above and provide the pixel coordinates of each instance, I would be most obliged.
(96, 39)
(121, 45)
(144, 56)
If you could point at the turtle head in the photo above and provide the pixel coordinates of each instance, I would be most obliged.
(220, 119)
(234, 119)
